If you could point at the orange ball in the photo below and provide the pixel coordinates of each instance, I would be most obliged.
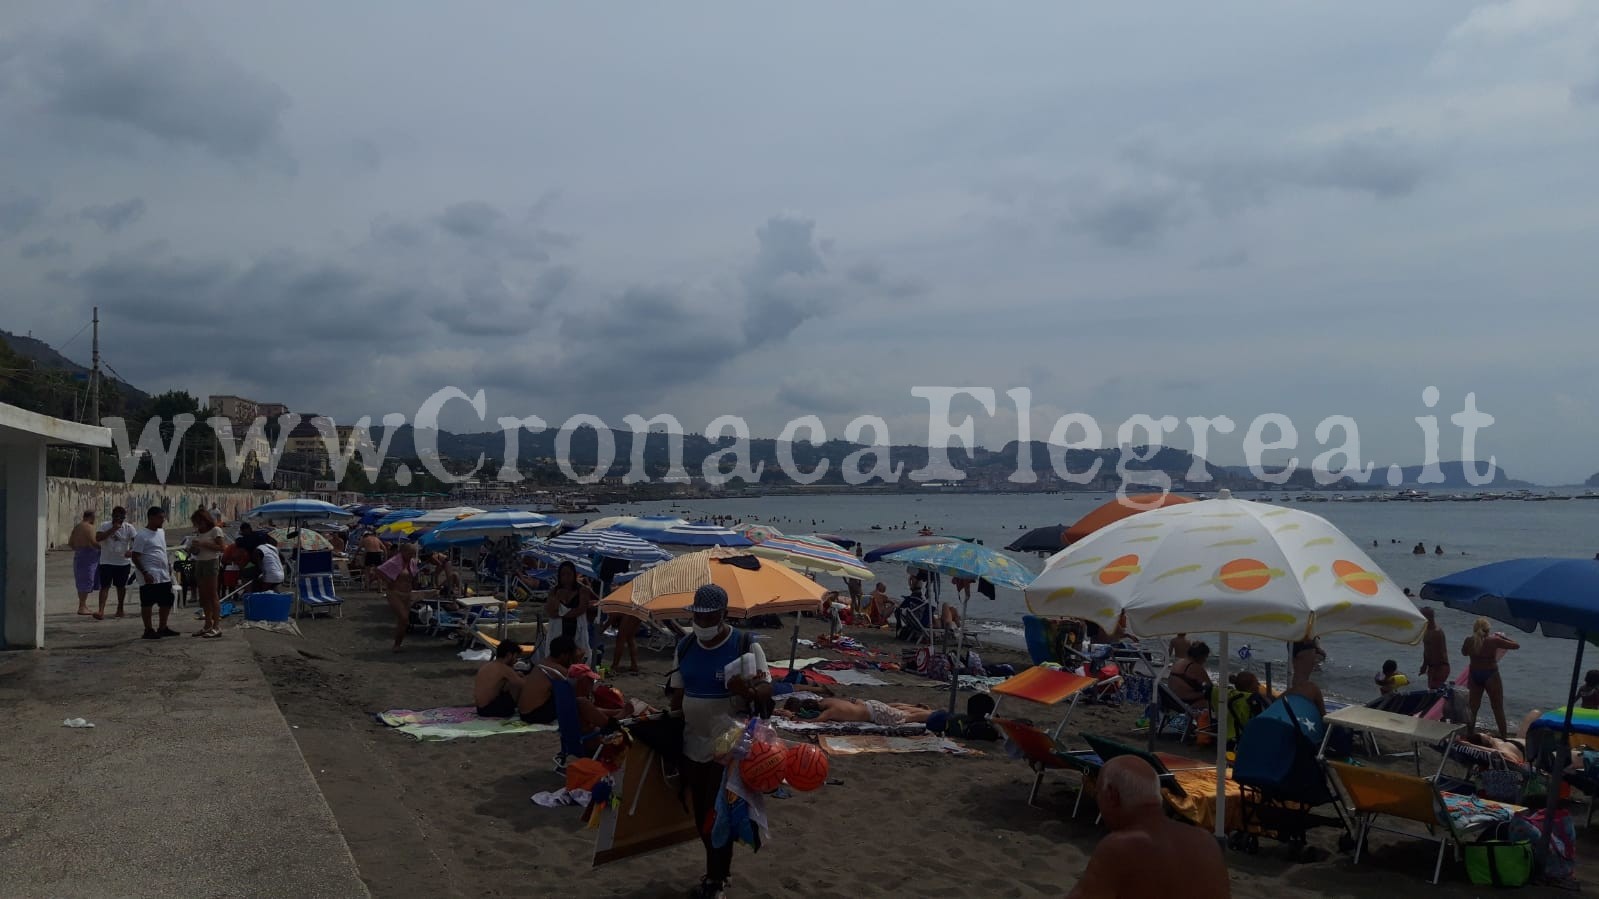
(807, 767)
(762, 770)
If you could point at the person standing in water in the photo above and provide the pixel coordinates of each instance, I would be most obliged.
(1434, 652)
(1483, 648)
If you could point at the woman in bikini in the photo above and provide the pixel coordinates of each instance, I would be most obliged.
(568, 606)
(1189, 680)
(399, 576)
(1483, 649)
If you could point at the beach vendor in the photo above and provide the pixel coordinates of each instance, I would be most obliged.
(708, 696)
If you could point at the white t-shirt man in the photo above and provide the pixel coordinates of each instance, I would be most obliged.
(114, 548)
(151, 545)
(271, 564)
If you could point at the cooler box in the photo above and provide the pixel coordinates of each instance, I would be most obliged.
(267, 606)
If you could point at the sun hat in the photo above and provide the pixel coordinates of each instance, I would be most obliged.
(709, 598)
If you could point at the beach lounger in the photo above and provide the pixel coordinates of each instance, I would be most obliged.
(1165, 764)
(313, 584)
(1042, 754)
(1045, 686)
(1372, 793)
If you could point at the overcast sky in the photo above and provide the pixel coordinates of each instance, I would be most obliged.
(779, 209)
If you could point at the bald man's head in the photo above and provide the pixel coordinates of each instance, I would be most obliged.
(1128, 788)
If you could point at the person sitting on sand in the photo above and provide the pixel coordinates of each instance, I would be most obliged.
(536, 705)
(498, 684)
(1189, 680)
(1147, 853)
(880, 605)
(599, 704)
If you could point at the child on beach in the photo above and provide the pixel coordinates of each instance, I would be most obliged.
(1389, 680)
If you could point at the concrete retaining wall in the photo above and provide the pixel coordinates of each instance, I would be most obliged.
(68, 498)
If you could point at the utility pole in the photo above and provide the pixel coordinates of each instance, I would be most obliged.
(94, 396)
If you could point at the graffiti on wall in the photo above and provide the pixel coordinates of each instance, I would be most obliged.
(68, 498)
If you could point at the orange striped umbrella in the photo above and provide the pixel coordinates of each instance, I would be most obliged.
(754, 586)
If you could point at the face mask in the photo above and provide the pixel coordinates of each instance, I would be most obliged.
(707, 634)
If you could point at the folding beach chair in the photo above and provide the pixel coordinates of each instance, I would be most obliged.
(1042, 753)
(1165, 765)
(1282, 781)
(313, 584)
(913, 620)
(1372, 793)
(1168, 708)
(570, 723)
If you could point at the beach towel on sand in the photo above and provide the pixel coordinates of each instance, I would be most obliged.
(871, 743)
(815, 728)
(453, 723)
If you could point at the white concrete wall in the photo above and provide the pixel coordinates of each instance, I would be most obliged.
(69, 498)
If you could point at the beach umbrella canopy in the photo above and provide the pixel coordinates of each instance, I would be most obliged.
(1229, 566)
(757, 533)
(812, 555)
(394, 515)
(698, 534)
(542, 553)
(966, 560)
(1116, 510)
(296, 510)
(1557, 596)
(304, 538)
(439, 516)
(611, 544)
(404, 527)
(606, 522)
(1040, 540)
(647, 526)
(877, 555)
(754, 586)
(505, 523)
(836, 540)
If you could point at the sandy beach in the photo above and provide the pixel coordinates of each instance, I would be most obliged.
(454, 818)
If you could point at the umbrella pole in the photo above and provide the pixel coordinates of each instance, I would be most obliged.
(793, 646)
(1562, 754)
(1221, 744)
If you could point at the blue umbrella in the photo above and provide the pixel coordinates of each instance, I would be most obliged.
(700, 534)
(967, 560)
(394, 515)
(296, 510)
(1558, 596)
(506, 523)
(610, 543)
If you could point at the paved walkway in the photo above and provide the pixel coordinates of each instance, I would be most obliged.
(190, 783)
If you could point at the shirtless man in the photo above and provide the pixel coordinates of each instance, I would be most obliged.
(498, 685)
(371, 557)
(1434, 652)
(536, 704)
(889, 714)
(880, 605)
(1146, 853)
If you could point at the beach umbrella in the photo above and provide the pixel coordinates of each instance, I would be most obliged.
(1227, 566)
(467, 527)
(836, 540)
(754, 587)
(1040, 540)
(394, 515)
(965, 560)
(808, 555)
(877, 555)
(303, 538)
(296, 511)
(612, 544)
(606, 522)
(1560, 597)
(372, 514)
(404, 527)
(698, 534)
(648, 526)
(541, 551)
(1116, 510)
(757, 533)
(439, 516)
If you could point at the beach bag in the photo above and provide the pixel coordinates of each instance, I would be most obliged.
(1501, 784)
(1497, 861)
(1561, 862)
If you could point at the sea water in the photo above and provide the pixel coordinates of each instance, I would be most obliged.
(1471, 533)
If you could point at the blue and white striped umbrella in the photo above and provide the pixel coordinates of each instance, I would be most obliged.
(647, 526)
(296, 510)
(611, 544)
(700, 534)
(541, 551)
(810, 554)
(506, 523)
(394, 515)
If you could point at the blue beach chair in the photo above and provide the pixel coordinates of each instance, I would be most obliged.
(313, 584)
